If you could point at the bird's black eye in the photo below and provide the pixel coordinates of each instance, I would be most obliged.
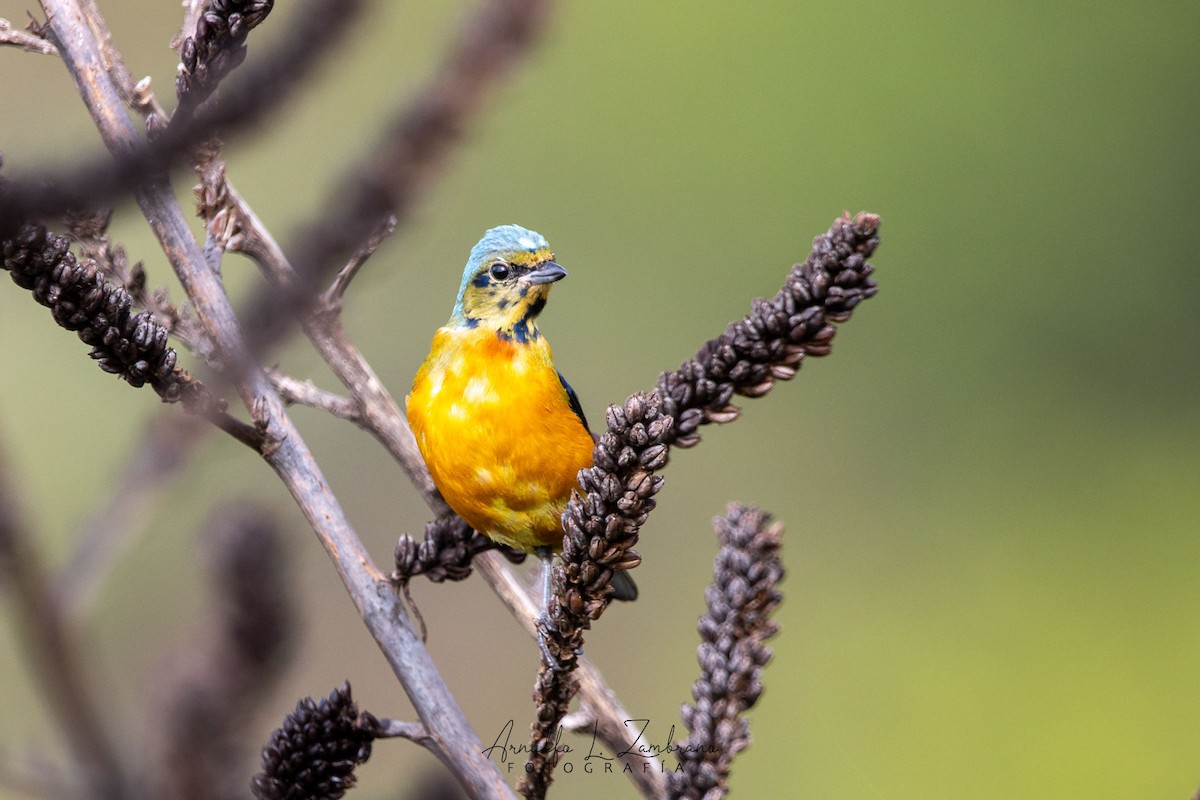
(500, 270)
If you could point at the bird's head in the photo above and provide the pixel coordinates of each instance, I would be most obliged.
(506, 283)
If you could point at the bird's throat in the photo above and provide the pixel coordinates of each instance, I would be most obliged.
(524, 329)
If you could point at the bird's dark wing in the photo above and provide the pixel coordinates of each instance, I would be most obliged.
(623, 586)
(573, 399)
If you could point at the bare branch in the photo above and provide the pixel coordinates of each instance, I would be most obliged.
(377, 412)
(306, 393)
(29, 42)
(331, 301)
(385, 728)
(231, 220)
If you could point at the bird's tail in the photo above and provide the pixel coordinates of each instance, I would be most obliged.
(623, 586)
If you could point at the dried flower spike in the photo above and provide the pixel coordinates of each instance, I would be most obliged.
(446, 552)
(741, 599)
(133, 346)
(314, 754)
(602, 525)
(217, 46)
(771, 342)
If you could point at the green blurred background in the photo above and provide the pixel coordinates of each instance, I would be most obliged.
(991, 490)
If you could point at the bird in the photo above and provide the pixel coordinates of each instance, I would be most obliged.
(500, 429)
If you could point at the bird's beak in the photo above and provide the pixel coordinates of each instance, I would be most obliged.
(548, 272)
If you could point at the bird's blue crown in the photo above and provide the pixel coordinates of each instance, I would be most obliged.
(507, 243)
(504, 242)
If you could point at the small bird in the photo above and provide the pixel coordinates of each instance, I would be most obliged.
(501, 430)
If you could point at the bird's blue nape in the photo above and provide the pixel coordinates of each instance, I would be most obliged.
(502, 242)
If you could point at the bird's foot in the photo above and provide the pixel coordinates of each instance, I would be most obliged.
(543, 626)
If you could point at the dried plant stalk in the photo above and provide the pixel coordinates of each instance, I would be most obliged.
(602, 525)
(733, 632)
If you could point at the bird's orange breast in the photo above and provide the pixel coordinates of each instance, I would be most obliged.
(496, 429)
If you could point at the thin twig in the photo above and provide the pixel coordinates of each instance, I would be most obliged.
(306, 393)
(29, 42)
(385, 728)
(136, 94)
(376, 412)
(331, 301)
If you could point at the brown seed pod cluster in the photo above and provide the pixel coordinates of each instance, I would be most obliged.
(313, 755)
(733, 633)
(770, 343)
(446, 551)
(133, 346)
(217, 46)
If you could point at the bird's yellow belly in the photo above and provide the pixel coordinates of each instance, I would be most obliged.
(501, 441)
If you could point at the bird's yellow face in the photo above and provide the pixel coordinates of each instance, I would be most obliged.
(506, 290)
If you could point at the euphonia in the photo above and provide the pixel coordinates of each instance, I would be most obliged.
(501, 430)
